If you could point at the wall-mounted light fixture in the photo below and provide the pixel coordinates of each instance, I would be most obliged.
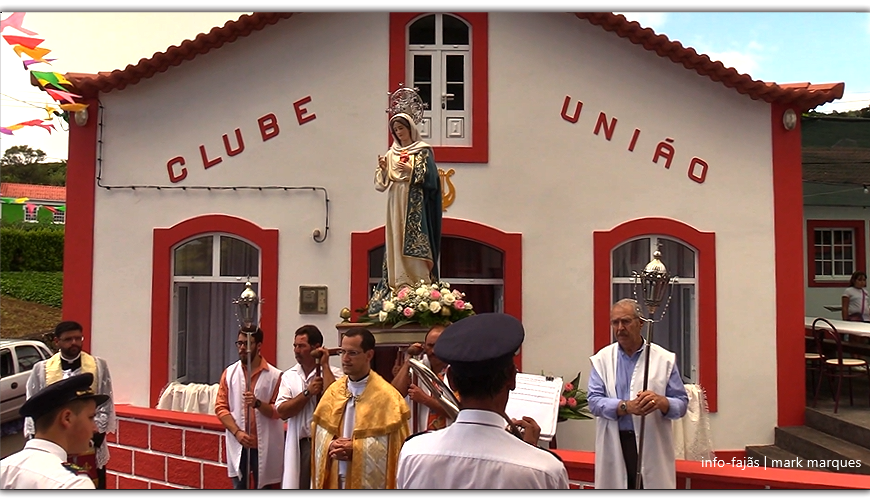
(81, 117)
(866, 189)
(789, 119)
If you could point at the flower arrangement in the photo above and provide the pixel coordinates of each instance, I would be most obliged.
(427, 305)
(572, 403)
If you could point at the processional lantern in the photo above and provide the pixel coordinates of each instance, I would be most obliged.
(654, 281)
(247, 305)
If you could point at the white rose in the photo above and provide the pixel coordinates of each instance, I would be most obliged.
(434, 306)
(423, 306)
(382, 316)
(445, 291)
(468, 306)
(423, 292)
(448, 298)
(388, 306)
(445, 285)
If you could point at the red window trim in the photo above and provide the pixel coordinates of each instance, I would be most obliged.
(161, 293)
(511, 244)
(604, 242)
(478, 152)
(860, 257)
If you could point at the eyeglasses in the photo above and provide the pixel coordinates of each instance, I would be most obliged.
(77, 339)
(350, 353)
(244, 343)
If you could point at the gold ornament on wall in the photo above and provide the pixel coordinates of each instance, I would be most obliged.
(448, 191)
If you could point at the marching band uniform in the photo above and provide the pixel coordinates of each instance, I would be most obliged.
(42, 464)
(476, 452)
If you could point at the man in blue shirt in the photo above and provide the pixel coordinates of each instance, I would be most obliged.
(616, 398)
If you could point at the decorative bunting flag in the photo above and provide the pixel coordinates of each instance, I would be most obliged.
(31, 208)
(62, 208)
(56, 79)
(51, 112)
(49, 209)
(5, 130)
(38, 53)
(28, 62)
(7, 200)
(37, 122)
(59, 95)
(73, 107)
(14, 21)
(30, 43)
(21, 200)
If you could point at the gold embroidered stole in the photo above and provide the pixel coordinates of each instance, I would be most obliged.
(380, 429)
(54, 372)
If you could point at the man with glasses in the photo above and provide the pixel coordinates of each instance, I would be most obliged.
(260, 444)
(616, 400)
(70, 361)
(359, 424)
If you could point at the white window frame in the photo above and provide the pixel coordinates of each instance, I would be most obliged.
(31, 216)
(690, 375)
(833, 277)
(439, 124)
(58, 217)
(180, 281)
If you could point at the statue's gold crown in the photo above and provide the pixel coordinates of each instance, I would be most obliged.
(406, 100)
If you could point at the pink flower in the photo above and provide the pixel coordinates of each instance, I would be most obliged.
(569, 386)
(562, 401)
(408, 312)
(435, 295)
(459, 304)
(402, 293)
(572, 402)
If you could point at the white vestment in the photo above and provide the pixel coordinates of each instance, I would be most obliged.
(294, 382)
(658, 467)
(269, 431)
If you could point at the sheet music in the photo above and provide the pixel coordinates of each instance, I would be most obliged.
(537, 397)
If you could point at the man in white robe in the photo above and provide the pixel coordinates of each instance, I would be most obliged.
(616, 399)
(254, 432)
(298, 394)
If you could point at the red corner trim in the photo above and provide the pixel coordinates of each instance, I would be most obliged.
(478, 152)
(860, 258)
(78, 246)
(161, 293)
(511, 244)
(705, 242)
(788, 236)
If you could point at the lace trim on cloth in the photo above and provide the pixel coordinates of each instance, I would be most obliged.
(692, 436)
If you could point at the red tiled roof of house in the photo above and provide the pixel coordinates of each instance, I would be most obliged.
(33, 191)
(805, 96)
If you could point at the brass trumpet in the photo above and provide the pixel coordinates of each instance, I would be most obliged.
(436, 386)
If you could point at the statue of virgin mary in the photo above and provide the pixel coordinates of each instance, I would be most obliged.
(407, 172)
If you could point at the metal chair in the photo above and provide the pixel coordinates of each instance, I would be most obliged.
(836, 366)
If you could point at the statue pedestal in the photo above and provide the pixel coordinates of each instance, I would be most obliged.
(388, 336)
(390, 343)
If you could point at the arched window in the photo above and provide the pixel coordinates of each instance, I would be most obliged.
(209, 272)
(439, 64)
(678, 330)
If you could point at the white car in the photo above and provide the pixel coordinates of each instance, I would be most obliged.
(17, 358)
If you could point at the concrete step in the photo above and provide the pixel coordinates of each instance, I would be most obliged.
(852, 427)
(766, 456)
(823, 450)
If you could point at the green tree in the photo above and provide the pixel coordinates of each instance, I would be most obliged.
(23, 164)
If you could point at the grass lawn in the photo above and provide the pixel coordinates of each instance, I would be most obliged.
(25, 320)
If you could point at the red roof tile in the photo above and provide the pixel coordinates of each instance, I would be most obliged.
(804, 96)
(33, 191)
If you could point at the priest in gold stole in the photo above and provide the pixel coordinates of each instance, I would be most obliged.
(69, 361)
(359, 424)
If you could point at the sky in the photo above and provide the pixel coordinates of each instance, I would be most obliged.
(782, 47)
